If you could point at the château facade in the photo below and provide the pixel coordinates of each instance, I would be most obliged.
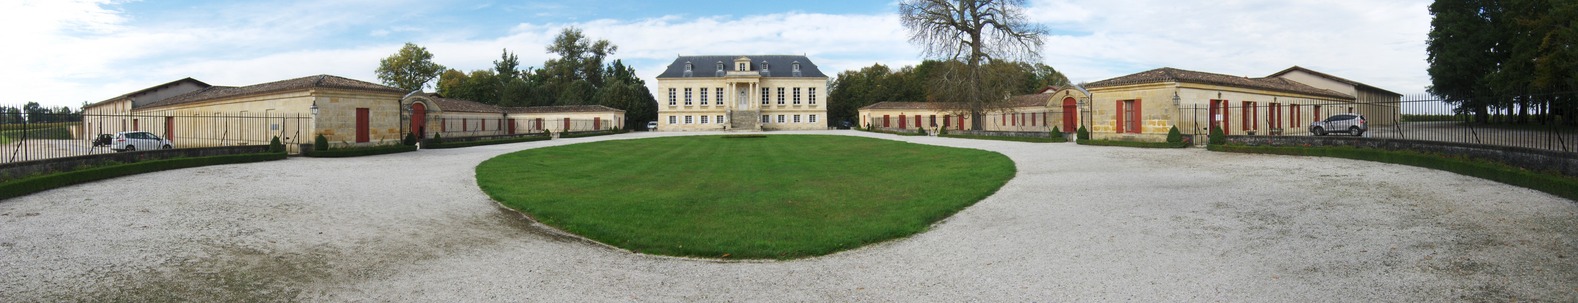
(772, 92)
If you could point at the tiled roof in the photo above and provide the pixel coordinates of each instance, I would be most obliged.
(1029, 100)
(155, 87)
(1327, 76)
(563, 109)
(706, 66)
(904, 105)
(459, 105)
(319, 81)
(1168, 74)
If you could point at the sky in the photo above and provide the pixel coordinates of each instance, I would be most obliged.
(66, 52)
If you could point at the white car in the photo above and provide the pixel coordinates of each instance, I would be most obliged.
(133, 141)
(652, 126)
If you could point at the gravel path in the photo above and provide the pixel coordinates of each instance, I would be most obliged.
(1077, 223)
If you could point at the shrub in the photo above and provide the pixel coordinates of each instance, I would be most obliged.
(410, 139)
(1082, 134)
(1217, 136)
(320, 143)
(1057, 131)
(1173, 136)
(274, 146)
(942, 131)
(362, 151)
(920, 130)
(438, 139)
(34, 184)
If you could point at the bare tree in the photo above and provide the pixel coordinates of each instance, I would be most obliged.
(970, 34)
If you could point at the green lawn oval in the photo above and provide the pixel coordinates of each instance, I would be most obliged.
(774, 197)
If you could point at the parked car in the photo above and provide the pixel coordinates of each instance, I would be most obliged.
(1352, 124)
(652, 126)
(103, 140)
(133, 141)
(843, 124)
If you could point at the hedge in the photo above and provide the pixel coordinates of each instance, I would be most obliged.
(360, 151)
(30, 185)
(903, 133)
(590, 133)
(1132, 144)
(1052, 139)
(446, 144)
(1549, 182)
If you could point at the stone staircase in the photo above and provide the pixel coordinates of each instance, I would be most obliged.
(745, 120)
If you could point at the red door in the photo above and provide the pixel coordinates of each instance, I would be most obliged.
(169, 128)
(539, 125)
(419, 120)
(362, 125)
(597, 123)
(512, 126)
(961, 122)
(902, 122)
(566, 125)
(1070, 112)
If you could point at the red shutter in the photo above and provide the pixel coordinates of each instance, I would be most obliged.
(1119, 114)
(362, 125)
(887, 121)
(1139, 120)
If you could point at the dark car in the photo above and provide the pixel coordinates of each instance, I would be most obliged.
(103, 140)
(843, 124)
(1352, 124)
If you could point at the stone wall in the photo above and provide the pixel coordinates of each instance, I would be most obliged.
(1533, 159)
(15, 170)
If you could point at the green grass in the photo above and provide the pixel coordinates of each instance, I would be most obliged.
(1052, 139)
(779, 197)
(1550, 182)
(52, 131)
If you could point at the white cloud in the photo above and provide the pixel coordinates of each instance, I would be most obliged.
(87, 50)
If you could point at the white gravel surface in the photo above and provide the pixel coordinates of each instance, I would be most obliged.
(1078, 223)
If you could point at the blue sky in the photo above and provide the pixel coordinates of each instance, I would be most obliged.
(91, 50)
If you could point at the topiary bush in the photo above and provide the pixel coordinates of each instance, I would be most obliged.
(410, 139)
(438, 139)
(1082, 133)
(1056, 131)
(1173, 136)
(320, 143)
(275, 146)
(1217, 136)
(920, 130)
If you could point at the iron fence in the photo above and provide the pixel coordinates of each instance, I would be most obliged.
(1424, 118)
(46, 135)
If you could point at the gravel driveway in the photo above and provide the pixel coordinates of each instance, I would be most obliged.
(1077, 223)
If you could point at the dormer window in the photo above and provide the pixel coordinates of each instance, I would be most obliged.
(689, 67)
(797, 67)
(720, 65)
(743, 66)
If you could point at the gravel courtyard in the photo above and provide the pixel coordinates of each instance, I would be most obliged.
(1077, 223)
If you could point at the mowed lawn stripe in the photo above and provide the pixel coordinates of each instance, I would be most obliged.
(782, 196)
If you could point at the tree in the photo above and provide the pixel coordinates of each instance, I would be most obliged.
(972, 33)
(580, 59)
(410, 69)
(1493, 56)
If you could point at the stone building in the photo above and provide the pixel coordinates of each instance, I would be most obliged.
(1144, 106)
(774, 92)
(431, 114)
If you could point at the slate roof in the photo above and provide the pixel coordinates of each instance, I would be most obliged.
(1327, 76)
(460, 105)
(903, 105)
(1168, 74)
(151, 88)
(563, 109)
(309, 82)
(778, 66)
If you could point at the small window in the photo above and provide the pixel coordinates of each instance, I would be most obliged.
(766, 96)
(766, 119)
(780, 118)
(687, 96)
(812, 118)
(797, 96)
(703, 119)
(703, 96)
(743, 66)
(780, 97)
(811, 96)
(689, 67)
(720, 119)
(671, 96)
(688, 120)
(671, 120)
(797, 67)
(720, 65)
(796, 118)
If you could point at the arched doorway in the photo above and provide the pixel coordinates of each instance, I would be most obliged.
(1070, 114)
(419, 120)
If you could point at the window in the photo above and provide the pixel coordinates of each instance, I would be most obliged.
(797, 96)
(811, 96)
(704, 95)
(766, 118)
(670, 120)
(766, 95)
(780, 118)
(780, 96)
(1249, 116)
(813, 118)
(887, 121)
(718, 94)
(796, 118)
(1295, 109)
(720, 66)
(719, 120)
(687, 96)
(688, 119)
(742, 66)
(689, 67)
(671, 96)
(703, 119)
(1128, 117)
(1315, 113)
(1274, 112)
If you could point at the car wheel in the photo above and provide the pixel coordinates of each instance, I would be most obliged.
(131, 148)
(1319, 131)
(1355, 131)
(166, 146)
